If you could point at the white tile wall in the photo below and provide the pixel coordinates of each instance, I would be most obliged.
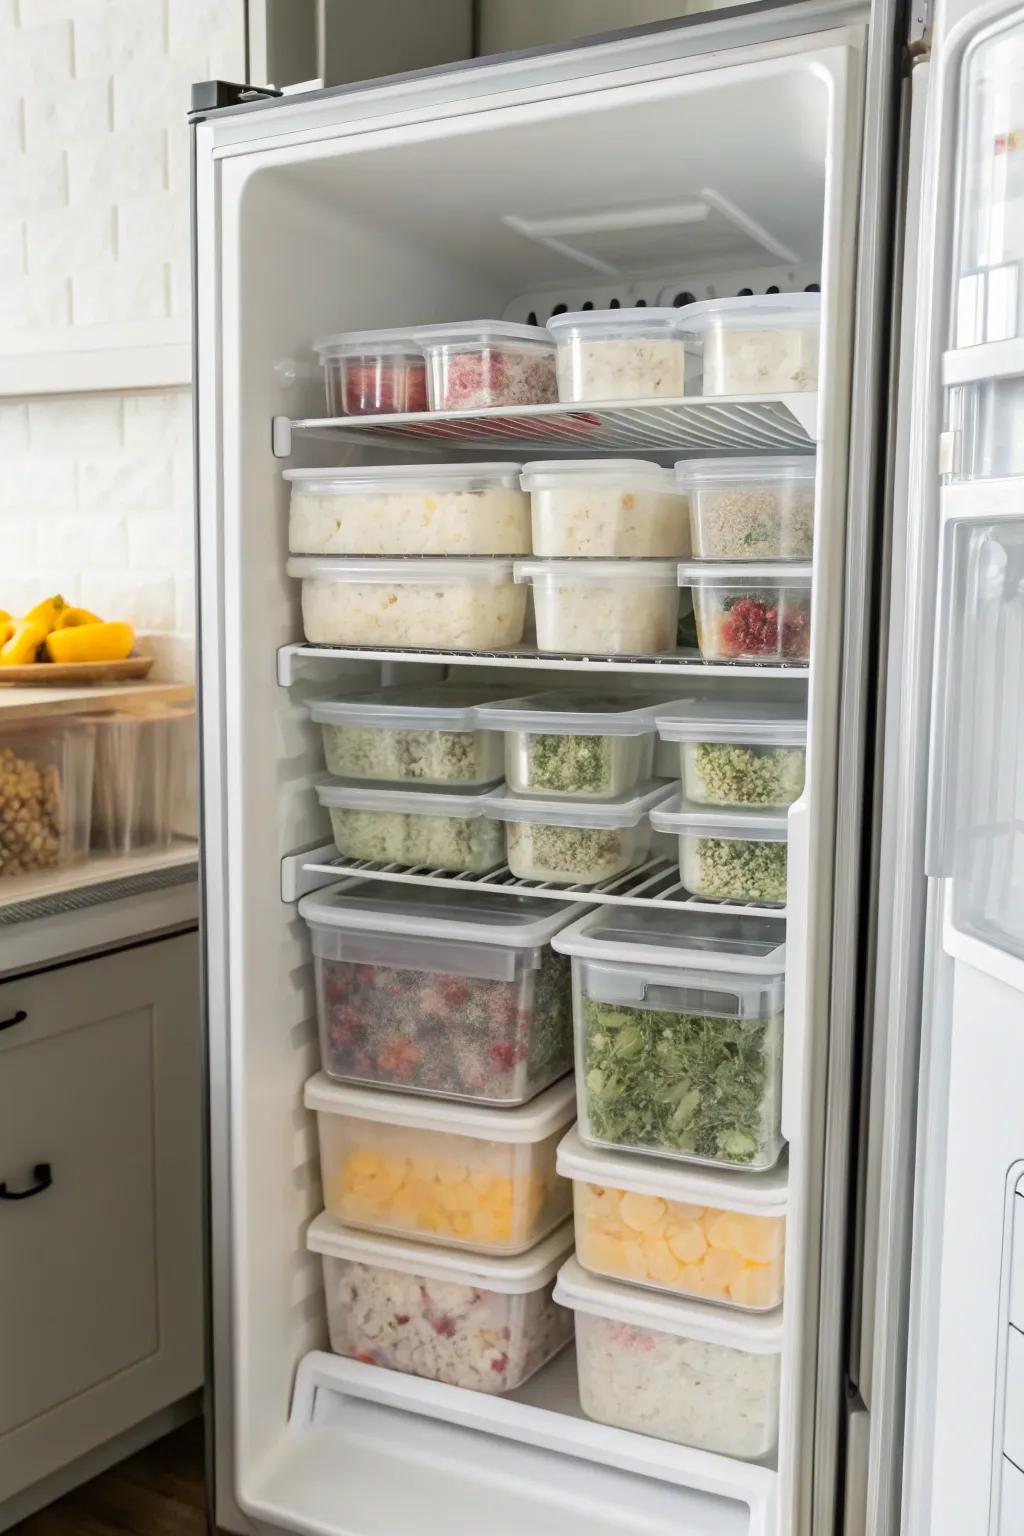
(96, 490)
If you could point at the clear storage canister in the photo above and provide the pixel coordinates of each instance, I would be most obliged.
(678, 1019)
(738, 755)
(701, 1232)
(576, 843)
(620, 354)
(432, 990)
(372, 373)
(758, 344)
(429, 828)
(728, 856)
(603, 607)
(143, 755)
(457, 604)
(408, 509)
(46, 780)
(574, 742)
(760, 508)
(487, 1324)
(683, 1371)
(595, 507)
(480, 363)
(459, 1174)
(423, 733)
(751, 613)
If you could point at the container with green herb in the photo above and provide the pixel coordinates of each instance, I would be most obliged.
(738, 754)
(738, 858)
(563, 843)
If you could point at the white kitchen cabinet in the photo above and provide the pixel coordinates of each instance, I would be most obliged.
(101, 1271)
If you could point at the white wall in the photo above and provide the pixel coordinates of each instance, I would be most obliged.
(95, 490)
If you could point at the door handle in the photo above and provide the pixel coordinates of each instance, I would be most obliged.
(43, 1177)
(15, 1018)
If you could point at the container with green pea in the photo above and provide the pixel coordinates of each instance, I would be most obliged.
(737, 857)
(738, 755)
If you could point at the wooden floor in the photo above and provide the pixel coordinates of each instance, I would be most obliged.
(157, 1492)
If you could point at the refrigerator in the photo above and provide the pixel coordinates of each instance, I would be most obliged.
(874, 152)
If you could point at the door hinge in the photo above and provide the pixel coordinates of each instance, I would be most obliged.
(211, 95)
(919, 30)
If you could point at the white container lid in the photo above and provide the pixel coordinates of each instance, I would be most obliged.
(754, 1194)
(363, 479)
(339, 794)
(555, 474)
(759, 469)
(610, 324)
(759, 724)
(601, 573)
(758, 311)
(410, 571)
(349, 343)
(756, 1333)
(510, 1274)
(438, 706)
(749, 826)
(740, 573)
(472, 333)
(552, 1111)
(736, 943)
(624, 810)
(573, 712)
(515, 922)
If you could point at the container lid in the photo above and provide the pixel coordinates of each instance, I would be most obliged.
(438, 572)
(607, 324)
(757, 1333)
(466, 803)
(755, 1194)
(758, 723)
(552, 1111)
(624, 810)
(735, 942)
(518, 922)
(347, 343)
(607, 573)
(759, 469)
(748, 826)
(574, 712)
(468, 332)
(511, 1274)
(551, 474)
(754, 312)
(437, 706)
(361, 479)
(742, 573)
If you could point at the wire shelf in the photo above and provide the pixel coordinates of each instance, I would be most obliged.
(737, 424)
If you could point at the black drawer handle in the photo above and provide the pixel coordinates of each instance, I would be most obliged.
(15, 1018)
(43, 1179)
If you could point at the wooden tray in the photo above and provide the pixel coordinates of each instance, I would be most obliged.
(62, 674)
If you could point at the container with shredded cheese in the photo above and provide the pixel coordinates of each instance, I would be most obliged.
(758, 508)
(606, 507)
(620, 354)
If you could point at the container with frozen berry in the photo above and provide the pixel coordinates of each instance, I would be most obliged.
(479, 363)
(751, 613)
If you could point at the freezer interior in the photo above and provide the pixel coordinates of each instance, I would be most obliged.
(675, 182)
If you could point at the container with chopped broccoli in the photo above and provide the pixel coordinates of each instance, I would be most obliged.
(425, 734)
(731, 857)
(738, 754)
(574, 743)
(565, 844)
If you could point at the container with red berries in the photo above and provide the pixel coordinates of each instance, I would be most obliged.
(480, 363)
(372, 373)
(751, 613)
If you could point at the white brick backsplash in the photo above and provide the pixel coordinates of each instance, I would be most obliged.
(85, 422)
(21, 590)
(62, 114)
(39, 301)
(12, 249)
(33, 184)
(161, 543)
(152, 228)
(174, 656)
(125, 483)
(90, 543)
(18, 539)
(121, 165)
(89, 232)
(36, 485)
(159, 420)
(11, 124)
(147, 601)
(117, 36)
(120, 291)
(37, 54)
(13, 428)
(158, 94)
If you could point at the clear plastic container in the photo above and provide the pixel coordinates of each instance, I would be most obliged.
(760, 508)
(458, 604)
(713, 1235)
(415, 509)
(433, 991)
(728, 856)
(757, 345)
(372, 373)
(141, 767)
(683, 1371)
(753, 613)
(738, 754)
(423, 733)
(603, 607)
(485, 1324)
(620, 354)
(430, 829)
(46, 778)
(480, 363)
(601, 507)
(574, 743)
(575, 843)
(458, 1174)
(678, 1019)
